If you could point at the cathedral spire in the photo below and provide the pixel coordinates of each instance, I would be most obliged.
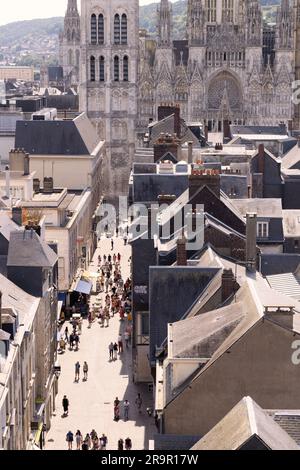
(72, 7)
(254, 23)
(195, 22)
(284, 25)
(164, 23)
(296, 123)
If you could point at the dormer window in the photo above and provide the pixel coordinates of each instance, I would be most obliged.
(262, 229)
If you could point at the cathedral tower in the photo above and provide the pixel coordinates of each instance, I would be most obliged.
(296, 123)
(164, 23)
(70, 45)
(164, 54)
(108, 82)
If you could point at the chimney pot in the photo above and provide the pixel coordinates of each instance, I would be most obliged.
(181, 251)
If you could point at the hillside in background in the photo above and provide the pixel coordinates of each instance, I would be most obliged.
(36, 41)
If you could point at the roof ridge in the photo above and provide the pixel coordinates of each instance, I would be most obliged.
(251, 415)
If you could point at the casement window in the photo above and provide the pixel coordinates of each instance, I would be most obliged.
(262, 229)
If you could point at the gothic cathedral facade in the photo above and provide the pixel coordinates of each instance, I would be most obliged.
(231, 65)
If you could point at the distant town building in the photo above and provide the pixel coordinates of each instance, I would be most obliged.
(17, 73)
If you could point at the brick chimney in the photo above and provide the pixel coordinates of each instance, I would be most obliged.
(181, 251)
(251, 235)
(206, 133)
(166, 199)
(209, 178)
(16, 160)
(165, 111)
(261, 158)
(26, 164)
(226, 130)
(229, 285)
(190, 152)
(166, 143)
(17, 215)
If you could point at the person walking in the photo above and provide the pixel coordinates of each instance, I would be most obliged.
(70, 439)
(65, 404)
(126, 337)
(106, 284)
(111, 351)
(112, 245)
(85, 445)
(120, 444)
(107, 318)
(103, 442)
(117, 409)
(67, 334)
(77, 341)
(88, 441)
(77, 371)
(115, 351)
(119, 258)
(85, 371)
(128, 444)
(120, 344)
(139, 402)
(126, 410)
(78, 438)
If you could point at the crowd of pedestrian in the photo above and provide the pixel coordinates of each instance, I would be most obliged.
(92, 441)
(117, 301)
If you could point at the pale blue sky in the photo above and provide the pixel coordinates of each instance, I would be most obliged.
(29, 9)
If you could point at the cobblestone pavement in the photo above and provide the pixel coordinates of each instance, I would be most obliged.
(91, 402)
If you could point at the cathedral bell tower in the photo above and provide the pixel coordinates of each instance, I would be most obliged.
(296, 96)
(108, 82)
(70, 45)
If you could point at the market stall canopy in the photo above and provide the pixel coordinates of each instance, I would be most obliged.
(84, 287)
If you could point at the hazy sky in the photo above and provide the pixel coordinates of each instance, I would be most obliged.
(29, 9)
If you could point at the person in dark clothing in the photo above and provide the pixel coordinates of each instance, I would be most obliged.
(128, 444)
(120, 444)
(65, 404)
(85, 446)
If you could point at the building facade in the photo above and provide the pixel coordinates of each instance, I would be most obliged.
(231, 66)
(108, 81)
(69, 45)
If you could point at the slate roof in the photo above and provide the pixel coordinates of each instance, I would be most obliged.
(147, 187)
(263, 207)
(245, 421)
(7, 225)
(291, 223)
(238, 183)
(286, 283)
(26, 249)
(255, 296)
(174, 442)
(291, 159)
(279, 263)
(17, 299)
(183, 285)
(267, 130)
(290, 422)
(167, 126)
(76, 137)
(200, 336)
